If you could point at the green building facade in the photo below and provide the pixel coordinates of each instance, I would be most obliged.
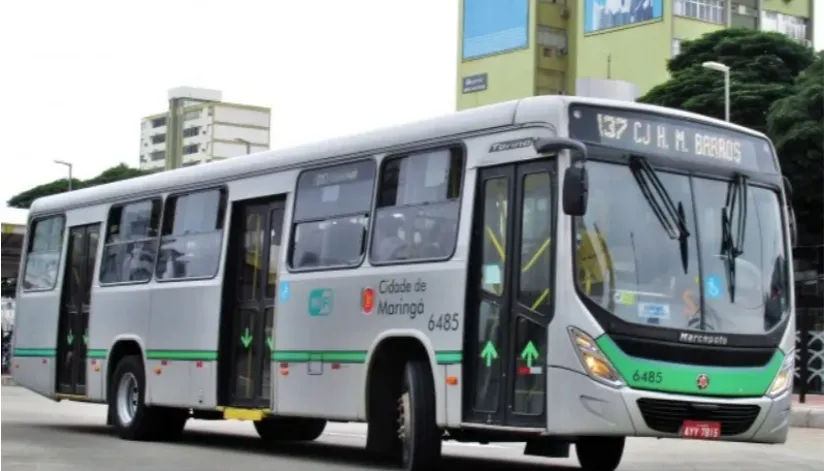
(510, 49)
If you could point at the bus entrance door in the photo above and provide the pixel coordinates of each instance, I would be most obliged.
(509, 296)
(256, 231)
(73, 327)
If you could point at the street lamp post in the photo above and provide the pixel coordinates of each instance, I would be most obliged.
(724, 69)
(248, 144)
(69, 166)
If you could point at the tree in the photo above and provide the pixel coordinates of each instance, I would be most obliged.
(763, 67)
(796, 126)
(117, 173)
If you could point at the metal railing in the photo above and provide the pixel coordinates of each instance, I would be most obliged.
(809, 295)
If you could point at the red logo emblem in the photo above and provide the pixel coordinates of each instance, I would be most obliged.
(703, 381)
(367, 300)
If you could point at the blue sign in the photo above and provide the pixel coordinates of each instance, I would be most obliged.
(713, 287)
(321, 302)
(285, 292)
(494, 26)
(605, 14)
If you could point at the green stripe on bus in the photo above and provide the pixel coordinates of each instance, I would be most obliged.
(97, 353)
(185, 355)
(34, 352)
(683, 379)
(356, 357)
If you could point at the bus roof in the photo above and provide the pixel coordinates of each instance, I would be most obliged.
(526, 110)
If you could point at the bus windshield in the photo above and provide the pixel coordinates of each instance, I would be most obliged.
(631, 266)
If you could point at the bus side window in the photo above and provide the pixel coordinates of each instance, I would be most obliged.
(332, 210)
(192, 235)
(43, 257)
(418, 204)
(131, 242)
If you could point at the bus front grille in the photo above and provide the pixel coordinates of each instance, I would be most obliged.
(667, 416)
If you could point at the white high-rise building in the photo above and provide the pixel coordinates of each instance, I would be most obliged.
(212, 130)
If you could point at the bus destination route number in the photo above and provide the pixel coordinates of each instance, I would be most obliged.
(671, 137)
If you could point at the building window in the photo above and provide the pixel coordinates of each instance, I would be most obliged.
(552, 38)
(190, 115)
(191, 132)
(190, 149)
(792, 26)
(704, 10)
(131, 242)
(744, 16)
(676, 47)
(192, 235)
(158, 122)
(332, 210)
(416, 216)
(43, 257)
(158, 139)
(158, 155)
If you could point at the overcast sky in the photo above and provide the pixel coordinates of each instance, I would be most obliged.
(78, 75)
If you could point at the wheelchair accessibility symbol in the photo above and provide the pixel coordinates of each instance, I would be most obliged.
(713, 287)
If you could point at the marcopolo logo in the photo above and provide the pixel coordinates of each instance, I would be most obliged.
(321, 302)
(703, 339)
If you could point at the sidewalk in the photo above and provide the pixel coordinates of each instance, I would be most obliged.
(807, 415)
(810, 414)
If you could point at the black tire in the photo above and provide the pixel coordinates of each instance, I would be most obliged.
(421, 445)
(600, 453)
(294, 429)
(143, 424)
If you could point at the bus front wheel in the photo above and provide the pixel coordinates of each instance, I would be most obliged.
(600, 453)
(419, 436)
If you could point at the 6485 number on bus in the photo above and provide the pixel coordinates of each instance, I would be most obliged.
(447, 322)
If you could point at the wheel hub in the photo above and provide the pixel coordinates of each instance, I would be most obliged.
(128, 396)
(404, 423)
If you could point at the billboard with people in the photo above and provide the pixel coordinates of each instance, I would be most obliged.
(606, 14)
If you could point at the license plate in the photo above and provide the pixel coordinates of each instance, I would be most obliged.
(700, 430)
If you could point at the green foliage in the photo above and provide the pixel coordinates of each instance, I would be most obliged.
(775, 87)
(763, 69)
(117, 173)
(796, 126)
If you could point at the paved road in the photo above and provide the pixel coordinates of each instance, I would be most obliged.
(40, 435)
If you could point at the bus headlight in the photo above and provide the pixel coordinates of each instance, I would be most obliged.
(784, 378)
(596, 364)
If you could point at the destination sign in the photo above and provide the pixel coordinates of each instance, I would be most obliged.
(658, 135)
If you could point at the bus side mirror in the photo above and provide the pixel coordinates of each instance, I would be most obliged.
(576, 190)
(576, 182)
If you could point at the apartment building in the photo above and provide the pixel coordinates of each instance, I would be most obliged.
(516, 48)
(212, 130)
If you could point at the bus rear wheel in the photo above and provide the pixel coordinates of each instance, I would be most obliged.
(131, 417)
(600, 453)
(290, 429)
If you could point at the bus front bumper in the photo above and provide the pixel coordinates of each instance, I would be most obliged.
(579, 406)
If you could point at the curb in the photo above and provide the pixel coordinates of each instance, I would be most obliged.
(807, 417)
(801, 416)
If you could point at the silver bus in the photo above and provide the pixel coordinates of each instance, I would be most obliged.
(554, 270)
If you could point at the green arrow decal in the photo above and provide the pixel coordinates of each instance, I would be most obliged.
(271, 343)
(86, 338)
(529, 353)
(70, 338)
(489, 353)
(246, 338)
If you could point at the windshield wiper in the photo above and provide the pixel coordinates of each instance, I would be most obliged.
(733, 248)
(671, 217)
